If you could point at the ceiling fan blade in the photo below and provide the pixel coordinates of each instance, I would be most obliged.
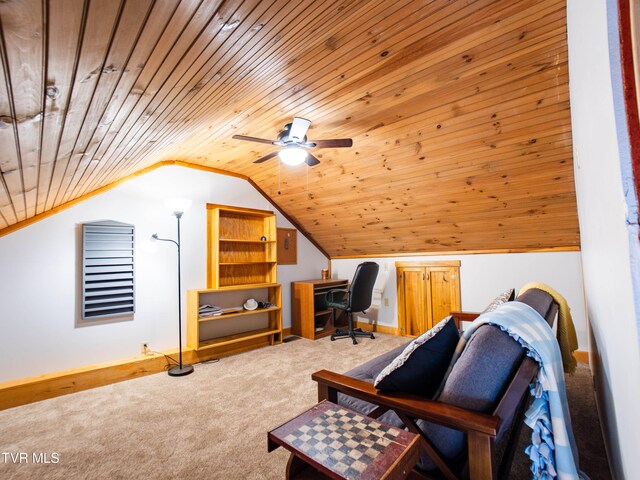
(334, 143)
(252, 139)
(299, 128)
(266, 157)
(311, 160)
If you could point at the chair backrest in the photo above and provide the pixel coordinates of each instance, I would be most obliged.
(491, 376)
(541, 302)
(361, 289)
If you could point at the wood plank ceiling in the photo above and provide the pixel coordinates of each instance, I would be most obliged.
(459, 111)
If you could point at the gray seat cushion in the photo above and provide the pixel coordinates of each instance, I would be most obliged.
(368, 372)
(361, 406)
(477, 382)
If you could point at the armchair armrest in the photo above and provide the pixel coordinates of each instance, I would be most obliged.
(459, 317)
(481, 429)
(468, 421)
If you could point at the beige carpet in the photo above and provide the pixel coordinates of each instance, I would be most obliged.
(213, 423)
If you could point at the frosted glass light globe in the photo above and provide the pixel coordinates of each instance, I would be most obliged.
(293, 156)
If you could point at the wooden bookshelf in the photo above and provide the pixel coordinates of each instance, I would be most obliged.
(238, 325)
(241, 246)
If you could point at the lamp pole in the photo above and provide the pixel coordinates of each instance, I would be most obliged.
(181, 369)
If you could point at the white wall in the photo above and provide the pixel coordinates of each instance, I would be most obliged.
(606, 223)
(39, 271)
(482, 278)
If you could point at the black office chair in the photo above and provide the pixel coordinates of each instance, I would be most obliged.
(358, 299)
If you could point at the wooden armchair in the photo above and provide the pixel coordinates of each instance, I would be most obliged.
(483, 431)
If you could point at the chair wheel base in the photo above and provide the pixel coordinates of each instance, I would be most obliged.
(352, 334)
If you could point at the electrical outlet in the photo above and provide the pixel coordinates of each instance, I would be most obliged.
(144, 348)
(386, 302)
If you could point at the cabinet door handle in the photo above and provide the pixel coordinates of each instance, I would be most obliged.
(423, 275)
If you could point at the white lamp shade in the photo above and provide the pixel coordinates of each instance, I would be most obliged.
(151, 245)
(178, 204)
(293, 156)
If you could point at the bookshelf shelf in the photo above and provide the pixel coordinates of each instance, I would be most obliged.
(240, 240)
(240, 325)
(242, 246)
(237, 314)
(231, 339)
(226, 264)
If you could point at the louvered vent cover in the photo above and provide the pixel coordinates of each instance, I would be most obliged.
(107, 269)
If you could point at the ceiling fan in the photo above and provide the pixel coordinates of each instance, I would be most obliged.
(294, 140)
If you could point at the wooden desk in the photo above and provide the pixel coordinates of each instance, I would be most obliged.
(310, 316)
(344, 444)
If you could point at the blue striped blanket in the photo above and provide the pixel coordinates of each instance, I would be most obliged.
(552, 451)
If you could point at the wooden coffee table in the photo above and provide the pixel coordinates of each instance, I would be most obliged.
(344, 444)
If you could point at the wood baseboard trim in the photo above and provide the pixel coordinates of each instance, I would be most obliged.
(582, 356)
(42, 387)
(377, 328)
(50, 385)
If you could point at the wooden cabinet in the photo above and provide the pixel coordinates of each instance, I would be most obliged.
(235, 328)
(310, 316)
(427, 293)
(241, 246)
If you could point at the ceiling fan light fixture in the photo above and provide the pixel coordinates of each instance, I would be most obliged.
(293, 156)
(294, 140)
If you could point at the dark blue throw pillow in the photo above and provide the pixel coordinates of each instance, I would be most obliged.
(420, 367)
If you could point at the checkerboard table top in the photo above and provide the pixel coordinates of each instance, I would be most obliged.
(345, 444)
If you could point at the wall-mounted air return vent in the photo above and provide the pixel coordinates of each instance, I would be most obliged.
(107, 270)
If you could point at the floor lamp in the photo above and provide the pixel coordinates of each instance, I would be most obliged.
(177, 206)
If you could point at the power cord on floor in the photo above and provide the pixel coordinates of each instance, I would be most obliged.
(213, 360)
(165, 355)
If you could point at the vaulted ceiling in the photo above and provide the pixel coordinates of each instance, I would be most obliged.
(459, 111)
